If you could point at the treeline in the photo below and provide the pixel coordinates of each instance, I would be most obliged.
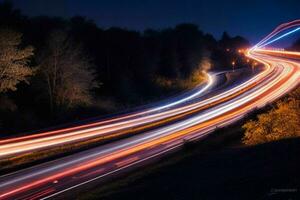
(54, 70)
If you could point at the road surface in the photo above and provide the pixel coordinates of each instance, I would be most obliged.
(54, 178)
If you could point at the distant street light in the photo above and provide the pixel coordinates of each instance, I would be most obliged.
(233, 64)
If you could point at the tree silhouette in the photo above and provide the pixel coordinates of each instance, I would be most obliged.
(67, 72)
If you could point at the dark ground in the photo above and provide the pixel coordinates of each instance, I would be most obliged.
(268, 171)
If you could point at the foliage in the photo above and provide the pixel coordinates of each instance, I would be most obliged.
(283, 121)
(198, 76)
(14, 61)
(67, 72)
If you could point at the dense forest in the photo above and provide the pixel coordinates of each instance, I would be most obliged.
(55, 70)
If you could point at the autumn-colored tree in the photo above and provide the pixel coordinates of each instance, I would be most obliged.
(67, 72)
(14, 60)
(283, 121)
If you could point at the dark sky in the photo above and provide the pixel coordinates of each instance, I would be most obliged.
(252, 19)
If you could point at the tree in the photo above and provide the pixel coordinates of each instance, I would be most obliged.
(14, 60)
(67, 72)
(283, 121)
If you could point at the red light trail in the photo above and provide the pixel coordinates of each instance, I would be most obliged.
(281, 74)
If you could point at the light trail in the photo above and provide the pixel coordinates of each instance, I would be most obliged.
(266, 41)
(286, 76)
(29, 144)
(280, 37)
(197, 93)
(282, 74)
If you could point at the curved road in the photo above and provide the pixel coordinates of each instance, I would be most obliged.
(189, 104)
(51, 179)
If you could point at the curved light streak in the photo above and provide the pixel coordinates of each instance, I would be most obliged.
(49, 179)
(271, 38)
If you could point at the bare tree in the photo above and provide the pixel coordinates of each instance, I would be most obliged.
(67, 72)
(14, 61)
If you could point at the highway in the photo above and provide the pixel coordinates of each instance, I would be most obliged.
(188, 117)
(157, 115)
(53, 178)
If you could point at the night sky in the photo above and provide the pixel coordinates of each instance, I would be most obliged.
(252, 19)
